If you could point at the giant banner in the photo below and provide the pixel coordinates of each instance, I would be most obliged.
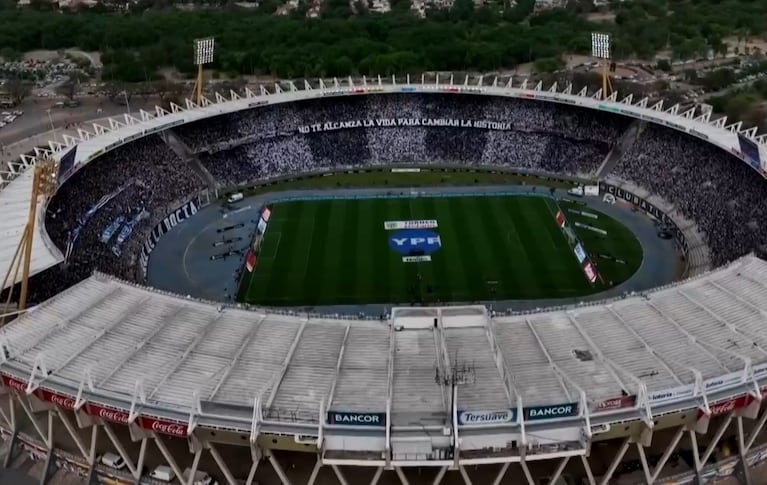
(648, 208)
(395, 122)
(171, 220)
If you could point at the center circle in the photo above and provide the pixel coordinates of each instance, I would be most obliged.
(415, 242)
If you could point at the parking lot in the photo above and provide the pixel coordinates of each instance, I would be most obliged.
(8, 117)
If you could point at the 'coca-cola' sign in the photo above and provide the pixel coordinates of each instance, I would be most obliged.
(165, 427)
(14, 384)
(109, 414)
(724, 407)
(65, 402)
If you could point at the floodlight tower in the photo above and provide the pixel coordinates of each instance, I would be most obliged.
(600, 48)
(44, 180)
(203, 54)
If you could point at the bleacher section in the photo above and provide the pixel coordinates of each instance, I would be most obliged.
(174, 347)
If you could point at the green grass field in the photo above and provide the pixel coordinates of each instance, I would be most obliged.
(324, 252)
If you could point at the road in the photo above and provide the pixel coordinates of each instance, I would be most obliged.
(37, 127)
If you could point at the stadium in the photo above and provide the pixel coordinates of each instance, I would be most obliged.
(385, 281)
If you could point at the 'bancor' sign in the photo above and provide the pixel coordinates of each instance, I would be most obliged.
(357, 419)
(554, 411)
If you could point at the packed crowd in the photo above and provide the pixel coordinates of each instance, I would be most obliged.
(267, 142)
(708, 185)
(144, 177)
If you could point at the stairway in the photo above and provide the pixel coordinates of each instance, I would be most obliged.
(188, 156)
(624, 143)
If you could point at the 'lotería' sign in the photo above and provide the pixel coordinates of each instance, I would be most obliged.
(357, 419)
(553, 411)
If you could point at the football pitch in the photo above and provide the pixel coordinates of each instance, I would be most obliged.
(467, 248)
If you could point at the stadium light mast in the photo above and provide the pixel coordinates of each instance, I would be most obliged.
(44, 179)
(600, 49)
(203, 54)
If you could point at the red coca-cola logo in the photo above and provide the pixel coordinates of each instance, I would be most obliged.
(16, 385)
(722, 408)
(61, 401)
(111, 415)
(173, 429)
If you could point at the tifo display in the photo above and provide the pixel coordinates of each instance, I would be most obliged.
(428, 250)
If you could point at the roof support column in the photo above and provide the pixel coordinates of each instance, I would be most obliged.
(651, 476)
(377, 475)
(717, 436)
(140, 462)
(695, 456)
(339, 475)
(464, 475)
(195, 463)
(402, 478)
(120, 449)
(28, 411)
(277, 468)
(14, 430)
(92, 452)
(3, 415)
(742, 451)
(439, 477)
(49, 462)
(501, 473)
(526, 470)
(559, 470)
(72, 433)
(757, 429)
(587, 468)
(221, 464)
(616, 461)
(255, 455)
(167, 455)
(316, 471)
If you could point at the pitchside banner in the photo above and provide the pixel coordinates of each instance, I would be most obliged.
(423, 224)
(648, 208)
(172, 220)
(395, 122)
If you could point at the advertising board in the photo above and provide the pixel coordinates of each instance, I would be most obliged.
(552, 411)
(356, 419)
(648, 208)
(181, 214)
(611, 404)
(170, 428)
(487, 417)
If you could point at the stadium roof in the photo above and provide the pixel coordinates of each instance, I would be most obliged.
(14, 211)
(707, 332)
